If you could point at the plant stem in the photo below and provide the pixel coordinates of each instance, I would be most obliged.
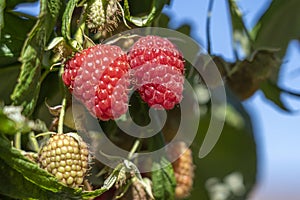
(18, 140)
(61, 117)
(208, 22)
(33, 141)
(134, 148)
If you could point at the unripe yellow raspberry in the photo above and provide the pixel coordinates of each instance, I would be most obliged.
(66, 157)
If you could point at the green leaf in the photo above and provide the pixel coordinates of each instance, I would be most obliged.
(273, 93)
(162, 21)
(28, 87)
(144, 20)
(66, 20)
(126, 8)
(2, 7)
(278, 25)
(54, 7)
(29, 82)
(137, 7)
(275, 29)
(10, 184)
(12, 37)
(163, 180)
(240, 33)
(185, 29)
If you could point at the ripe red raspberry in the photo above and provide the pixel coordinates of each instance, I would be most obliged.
(158, 69)
(98, 77)
(183, 168)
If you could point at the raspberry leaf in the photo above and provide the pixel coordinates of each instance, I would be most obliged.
(156, 8)
(27, 89)
(273, 93)
(162, 171)
(66, 20)
(166, 176)
(40, 181)
(240, 32)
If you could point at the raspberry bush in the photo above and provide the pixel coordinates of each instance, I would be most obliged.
(71, 78)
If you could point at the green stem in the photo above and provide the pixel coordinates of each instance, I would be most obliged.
(60, 128)
(17, 140)
(208, 28)
(44, 134)
(33, 141)
(134, 148)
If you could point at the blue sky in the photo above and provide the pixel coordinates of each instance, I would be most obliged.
(277, 132)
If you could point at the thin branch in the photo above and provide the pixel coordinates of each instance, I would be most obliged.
(208, 23)
(286, 91)
(136, 145)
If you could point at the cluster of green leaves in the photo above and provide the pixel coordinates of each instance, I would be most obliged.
(27, 80)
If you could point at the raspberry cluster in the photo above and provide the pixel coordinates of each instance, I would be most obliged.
(65, 158)
(99, 76)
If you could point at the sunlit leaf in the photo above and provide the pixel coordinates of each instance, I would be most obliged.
(27, 89)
